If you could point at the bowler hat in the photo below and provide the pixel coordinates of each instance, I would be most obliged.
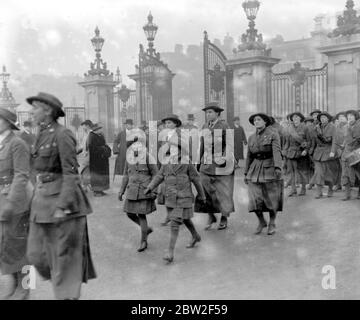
(87, 123)
(324, 113)
(174, 118)
(354, 112)
(50, 100)
(214, 105)
(297, 113)
(9, 117)
(129, 121)
(263, 116)
(315, 111)
(191, 117)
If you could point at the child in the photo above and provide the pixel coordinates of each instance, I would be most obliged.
(179, 198)
(138, 173)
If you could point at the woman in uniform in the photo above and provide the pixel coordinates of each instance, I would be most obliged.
(138, 173)
(326, 164)
(263, 172)
(15, 197)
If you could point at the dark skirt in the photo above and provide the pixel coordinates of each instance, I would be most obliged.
(61, 252)
(326, 172)
(13, 241)
(300, 170)
(266, 196)
(179, 214)
(219, 191)
(144, 206)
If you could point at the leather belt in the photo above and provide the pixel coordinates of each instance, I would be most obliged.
(47, 177)
(263, 156)
(6, 180)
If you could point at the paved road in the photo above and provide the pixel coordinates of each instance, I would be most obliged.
(230, 264)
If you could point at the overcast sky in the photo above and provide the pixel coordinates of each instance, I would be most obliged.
(120, 22)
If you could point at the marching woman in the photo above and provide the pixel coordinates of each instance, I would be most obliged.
(326, 164)
(217, 167)
(340, 133)
(15, 197)
(351, 143)
(178, 174)
(299, 141)
(263, 172)
(138, 172)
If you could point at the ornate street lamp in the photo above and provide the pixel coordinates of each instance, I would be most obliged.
(6, 98)
(118, 77)
(98, 66)
(5, 76)
(150, 30)
(251, 40)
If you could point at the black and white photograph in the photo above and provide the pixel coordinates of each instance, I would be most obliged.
(186, 150)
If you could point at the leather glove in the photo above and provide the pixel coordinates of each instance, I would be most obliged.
(120, 197)
(278, 173)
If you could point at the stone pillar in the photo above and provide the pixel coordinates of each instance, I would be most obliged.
(99, 102)
(251, 83)
(343, 72)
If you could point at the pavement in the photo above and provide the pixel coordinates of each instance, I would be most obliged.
(313, 236)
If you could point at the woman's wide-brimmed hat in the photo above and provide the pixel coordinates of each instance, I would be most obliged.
(324, 113)
(214, 105)
(315, 111)
(297, 113)
(174, 118)
(9, 117)
(263, 116)
(50, 100)
(354, 112)
(342, 113)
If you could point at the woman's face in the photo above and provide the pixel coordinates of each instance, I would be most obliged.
(259, 122)
(40, 112)
(4, 125)
(296, 120)
(324, 119)
(351, 118)
(342, 119)
(170, 124)
(211, 115)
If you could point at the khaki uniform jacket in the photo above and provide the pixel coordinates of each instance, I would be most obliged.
(209, 159)
(298, 139)
(136, 179)
(264, 155)
(15, 167)
(352, 139)
(178, 178)
(54, 157)
(325, 142)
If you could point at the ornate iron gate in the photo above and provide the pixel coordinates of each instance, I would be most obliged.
(217, 78)
(74, 116)
(299, 89)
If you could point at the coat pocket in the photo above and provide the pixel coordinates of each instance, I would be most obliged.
(269, 169)
(50, 188)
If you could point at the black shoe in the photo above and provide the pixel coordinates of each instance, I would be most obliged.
(330, 193)
(169, 258)
(212, 219)
(271, 229)
(143, 246)
(193, 242)
(260, 227)
(223, 223)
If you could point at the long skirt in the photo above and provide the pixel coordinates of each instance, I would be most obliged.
(300, 171)
(144, 206)
(179, 214)
(13, 240)
(61, 252)
(326, 172)
(266, 196)
(219, 191)
(350, 174)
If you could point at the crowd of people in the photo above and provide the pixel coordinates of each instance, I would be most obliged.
(44, 180)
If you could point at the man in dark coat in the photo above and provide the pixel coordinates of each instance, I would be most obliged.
(120, 147)
(58, 243)
(239, 140)
(98, 162)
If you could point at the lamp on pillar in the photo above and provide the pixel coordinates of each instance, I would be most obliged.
(150, 30)
(251, 40)
(6, 98)
(98, 66)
